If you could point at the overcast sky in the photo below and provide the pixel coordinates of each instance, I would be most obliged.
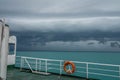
(53, 19)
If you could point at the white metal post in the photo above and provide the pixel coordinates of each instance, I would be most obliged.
(87, 70)
(60, 67)
(46, 66)
(39, 65)
(21, 62)
(119, 71)
(36, 64)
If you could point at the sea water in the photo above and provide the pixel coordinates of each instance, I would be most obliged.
(96, 57)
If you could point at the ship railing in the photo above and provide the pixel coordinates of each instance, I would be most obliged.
(46, 66)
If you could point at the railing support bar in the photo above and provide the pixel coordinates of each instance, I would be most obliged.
(36, 64)
(28, 64)
(21, 62)
(46, 66)
(60, 67)
(119, 71)
(87, 70)
(39, 65)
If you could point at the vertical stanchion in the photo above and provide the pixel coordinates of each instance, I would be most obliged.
(119, 72)
(39, 65)
(60, 67)
(46, 66)
(36, 64)
(21, 62)
(87, 70)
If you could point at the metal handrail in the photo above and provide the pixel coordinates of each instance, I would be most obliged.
(86, 66)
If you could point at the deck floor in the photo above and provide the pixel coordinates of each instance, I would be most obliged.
(15, 74)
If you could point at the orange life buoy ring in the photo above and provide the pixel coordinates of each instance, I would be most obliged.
(69, 63)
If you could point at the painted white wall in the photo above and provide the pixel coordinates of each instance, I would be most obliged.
(4, 52)
(11, 58)
(0, 35)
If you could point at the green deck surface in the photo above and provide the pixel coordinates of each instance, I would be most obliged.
(16, 74)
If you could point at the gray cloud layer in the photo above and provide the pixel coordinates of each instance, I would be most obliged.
(67, 15)
(110, 24)
(68, 41)
(63, 22)
(59, 8)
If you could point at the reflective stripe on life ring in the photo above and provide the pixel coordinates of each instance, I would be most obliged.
(69, 63)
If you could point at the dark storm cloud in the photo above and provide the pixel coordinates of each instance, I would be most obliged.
(63, 24)
(32, 40)
(67, 36)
